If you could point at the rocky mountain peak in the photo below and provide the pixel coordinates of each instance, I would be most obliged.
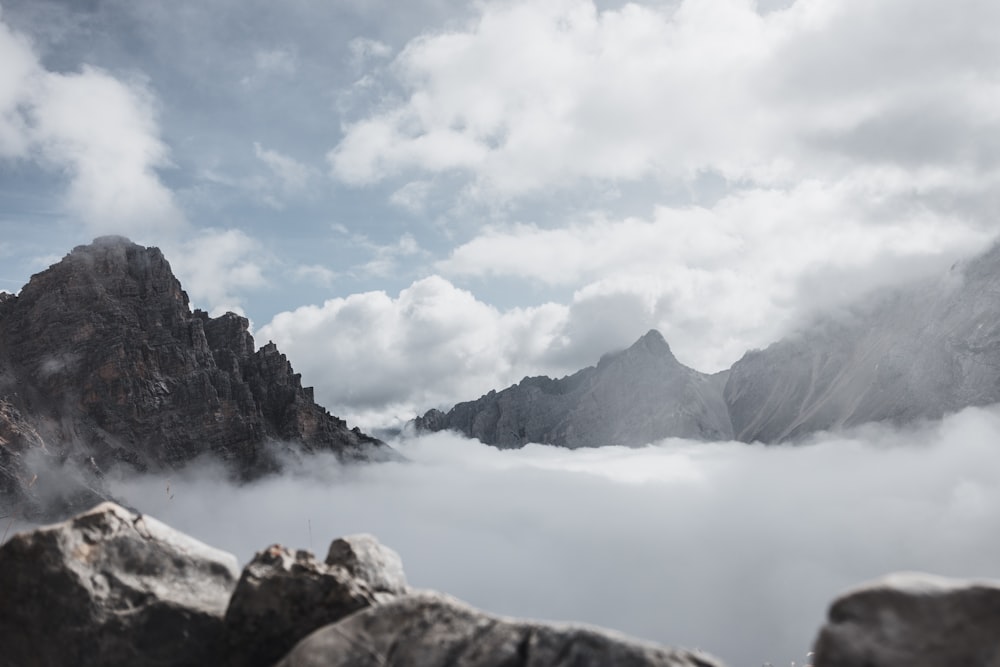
(103, 363)
(632, 397)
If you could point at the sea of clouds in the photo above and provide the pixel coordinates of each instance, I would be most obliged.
(736, 549)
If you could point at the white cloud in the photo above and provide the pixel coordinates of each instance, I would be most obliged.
(293, 176)
(412, 197)
(101, 131)
(376, 359)
(316, 273)
(718, 281)
(363, 49)
(387, 257)
(217, 266)
(665, 90)
(733, 548)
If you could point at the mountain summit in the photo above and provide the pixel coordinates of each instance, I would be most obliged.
(103, 364)
(916, 352)
(630, 398)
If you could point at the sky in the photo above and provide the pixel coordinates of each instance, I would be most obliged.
(422, 201)
(732, 548)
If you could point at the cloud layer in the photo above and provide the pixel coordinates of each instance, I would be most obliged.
(100, 131)
(733, 548)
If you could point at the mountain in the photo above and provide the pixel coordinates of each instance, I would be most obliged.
(905, 354)
(919, 352)
(629, 398)
(103, 365)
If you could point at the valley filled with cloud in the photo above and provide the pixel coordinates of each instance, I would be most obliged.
(734, 548)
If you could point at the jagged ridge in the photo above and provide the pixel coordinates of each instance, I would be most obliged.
(103, 363)
(918, 352)
(630, 398)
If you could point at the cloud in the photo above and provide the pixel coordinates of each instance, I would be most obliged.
(216, 266)
(376, 359)
(718, 281)
(276, 61)
(315, 273)
(816, 90)
(411, 197)
(101, 131)
(292, 175)
(733, 548)
(363, 49)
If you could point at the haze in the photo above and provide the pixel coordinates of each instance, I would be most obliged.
(733, 548)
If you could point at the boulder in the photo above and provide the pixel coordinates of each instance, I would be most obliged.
(109, 587)
(282, 595)
(913, 620)
(426, 629)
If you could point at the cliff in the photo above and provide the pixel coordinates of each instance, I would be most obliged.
(104, 366)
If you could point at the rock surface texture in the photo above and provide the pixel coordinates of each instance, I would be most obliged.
(116, 589)
(282, 595)
(630, 398)
(103, 364)
(427, 629)
(913, 620)
(110, 587)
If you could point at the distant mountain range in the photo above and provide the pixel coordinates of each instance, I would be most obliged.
(103, 366)
(917, 352)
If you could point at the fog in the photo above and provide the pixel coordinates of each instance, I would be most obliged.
(736, 549)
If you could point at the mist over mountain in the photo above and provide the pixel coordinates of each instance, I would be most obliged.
(917, 352)
(630, 398)
(103, 366)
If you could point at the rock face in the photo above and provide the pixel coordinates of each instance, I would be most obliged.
(915, 353)
(283, 596)
(630, 398)
(433, 629)
(103, 364)
(110, 587)
(913, 620)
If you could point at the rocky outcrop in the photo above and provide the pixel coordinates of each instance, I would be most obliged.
(283, 596)
(434, 629)
(103, 364)
(116, 589)
(913, 620)
(110, 587)
(630, 398)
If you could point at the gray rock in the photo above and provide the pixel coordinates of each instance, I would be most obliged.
(108, 588)
(429, 629)
(104, 366)
(913, 620)
(369, 561)
(913, 353)
(630, 398)
(283, 596)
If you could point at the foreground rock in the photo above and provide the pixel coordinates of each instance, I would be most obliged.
(283, 596)
(110, 587)
(103, 365)
(427, 629)
(913, 620)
